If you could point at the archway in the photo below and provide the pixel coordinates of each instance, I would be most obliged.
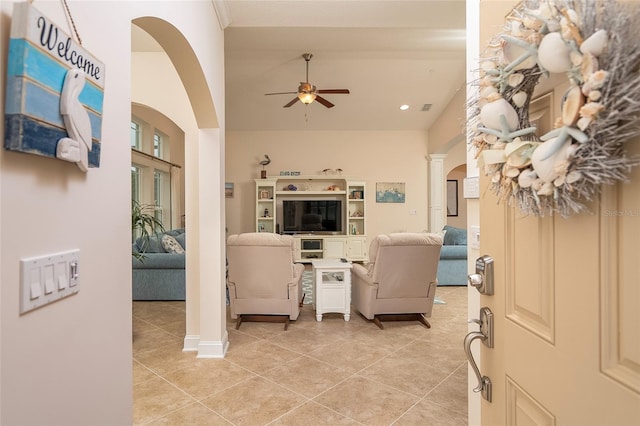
(204, 204)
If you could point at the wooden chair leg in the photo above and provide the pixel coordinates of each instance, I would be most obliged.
(423, 320)
(238, 321)
(377, 322)
(302, 301)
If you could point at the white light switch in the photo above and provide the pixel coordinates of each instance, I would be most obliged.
(45, 279)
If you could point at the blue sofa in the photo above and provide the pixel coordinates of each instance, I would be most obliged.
(159, 275)
(452, 267)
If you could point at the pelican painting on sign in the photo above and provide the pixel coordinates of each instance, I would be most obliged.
(55, 92)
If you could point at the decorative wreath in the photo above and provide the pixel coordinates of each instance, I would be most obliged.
(595, 44)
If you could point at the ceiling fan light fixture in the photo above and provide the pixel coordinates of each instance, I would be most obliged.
(306, 97)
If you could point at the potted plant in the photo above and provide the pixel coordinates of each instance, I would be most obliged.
(143, 225)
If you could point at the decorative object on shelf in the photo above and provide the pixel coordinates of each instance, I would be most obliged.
(333, 188)
(228, 189)
(265, 195)
(356, 195)
(289, 173)
(266, 212)
(390, 192)
(331, 171)
(595, 47)
(265, 162)
(290, 187)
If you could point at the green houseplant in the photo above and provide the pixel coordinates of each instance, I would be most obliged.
(143, 225)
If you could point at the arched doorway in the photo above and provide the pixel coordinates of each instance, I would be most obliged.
(204, 162)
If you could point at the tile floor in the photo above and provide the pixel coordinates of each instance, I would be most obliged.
(317, 373)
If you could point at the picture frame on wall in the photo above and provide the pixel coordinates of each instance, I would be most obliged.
(228, 190)
(390, 192)
(452, 197)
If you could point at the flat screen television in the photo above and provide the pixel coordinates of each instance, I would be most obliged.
(311, 216)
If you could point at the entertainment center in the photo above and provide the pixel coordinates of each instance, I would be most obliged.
(325, 214)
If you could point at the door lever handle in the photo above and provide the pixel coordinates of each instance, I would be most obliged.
(484, 382)
(486, 336)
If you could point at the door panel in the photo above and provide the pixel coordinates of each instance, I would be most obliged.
(524, 410)
(620, 292)
(530, 280)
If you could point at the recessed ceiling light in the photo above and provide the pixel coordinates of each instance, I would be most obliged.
(404, 107)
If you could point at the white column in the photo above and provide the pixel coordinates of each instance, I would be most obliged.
(214, 340)
(437, 193)
(192, 222)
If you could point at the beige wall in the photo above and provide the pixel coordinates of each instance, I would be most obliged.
(70, 362)
(449, 129)
(372, 156)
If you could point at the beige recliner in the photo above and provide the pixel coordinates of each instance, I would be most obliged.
(399, 282)
(264, 282)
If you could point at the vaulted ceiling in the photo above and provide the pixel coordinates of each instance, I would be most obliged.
(387, 53)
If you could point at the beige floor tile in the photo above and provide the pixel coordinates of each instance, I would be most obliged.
(352, 357)
(452, 392)
(166, 358)
(307, 376)
(152, 338)
(155, 398)
(313, 414)
(141, 373)
(366, 401)
(406, 374)
(428, 413)
(205, 377)
(256, 401)
(354, 371)
(260, 356)
(193, 415)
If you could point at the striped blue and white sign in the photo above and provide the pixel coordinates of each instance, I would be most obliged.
(40, 54)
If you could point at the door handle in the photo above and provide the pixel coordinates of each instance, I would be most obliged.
(486, 336)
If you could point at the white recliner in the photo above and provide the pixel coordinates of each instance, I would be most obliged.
(399, 282)
(264, 282)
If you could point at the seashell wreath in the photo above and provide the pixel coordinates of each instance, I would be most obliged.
(595, 44)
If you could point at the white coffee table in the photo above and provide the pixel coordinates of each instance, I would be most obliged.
(332, 287)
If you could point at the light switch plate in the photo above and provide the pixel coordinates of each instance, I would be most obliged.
(45, 279)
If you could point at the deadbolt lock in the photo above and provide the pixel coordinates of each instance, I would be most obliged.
(482, 280)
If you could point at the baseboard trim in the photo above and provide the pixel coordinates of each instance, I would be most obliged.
(191, 343)
(213, 349)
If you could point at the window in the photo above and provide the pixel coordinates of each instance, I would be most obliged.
(162, 195)
(151, 170)
(157, 145)
(135, 183)
(135, 136)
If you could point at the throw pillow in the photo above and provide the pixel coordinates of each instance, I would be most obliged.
(455, 236)
(171, 245)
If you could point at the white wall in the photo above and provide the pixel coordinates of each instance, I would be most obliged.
(372, 156)
(70, 362)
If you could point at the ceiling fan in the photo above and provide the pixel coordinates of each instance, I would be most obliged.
(307, 92)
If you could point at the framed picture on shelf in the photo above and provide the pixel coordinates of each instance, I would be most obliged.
(265, 195)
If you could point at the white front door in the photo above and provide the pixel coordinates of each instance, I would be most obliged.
(566, 310)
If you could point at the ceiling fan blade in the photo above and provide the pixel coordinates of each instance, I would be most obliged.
(293, 101)
(334, 91)
(281, 93)
(324, 102)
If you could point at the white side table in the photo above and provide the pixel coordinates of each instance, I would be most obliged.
(332, 287)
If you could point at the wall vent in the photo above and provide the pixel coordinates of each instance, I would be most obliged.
(426, 107)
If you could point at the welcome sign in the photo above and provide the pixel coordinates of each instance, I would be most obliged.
(40, 55)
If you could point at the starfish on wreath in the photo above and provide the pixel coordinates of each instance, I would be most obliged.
(562, 134)
(505, 134)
